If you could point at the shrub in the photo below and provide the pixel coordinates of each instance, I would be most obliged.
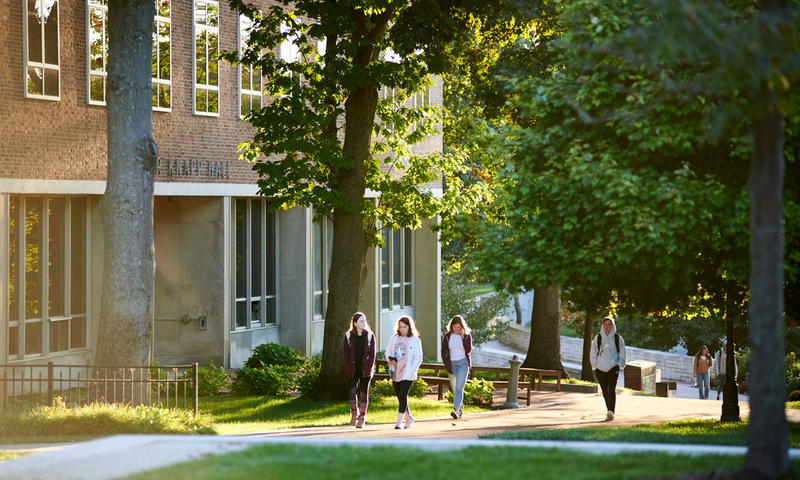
(384, 388)
(476, 392)
(272, 381)
(794, 396)
(309, 374)
(273, 354)
(211, 379)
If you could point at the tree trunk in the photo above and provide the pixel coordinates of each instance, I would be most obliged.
(518, 308)
(348, 273)
(586, 365)
(544, 349)
(767, 439)
(126, 311)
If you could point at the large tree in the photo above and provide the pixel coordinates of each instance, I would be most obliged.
(127, 205)
(628, 104)
(318, 142)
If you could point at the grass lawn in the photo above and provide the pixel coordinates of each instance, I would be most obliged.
(706, 432)
(259, 414)
(11, 454)
(389, 463)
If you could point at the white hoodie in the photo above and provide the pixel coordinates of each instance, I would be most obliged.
(608, 355)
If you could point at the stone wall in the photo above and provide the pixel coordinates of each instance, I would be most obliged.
(673, 367)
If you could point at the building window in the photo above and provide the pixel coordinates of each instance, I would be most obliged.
(397, 260)
(289, 52)
(256, 264)
(323, 246)
(162, 74)
(43, 72)
(249, 75)
(422, 100)
(48, 245)
(206, 63)
(97, 54)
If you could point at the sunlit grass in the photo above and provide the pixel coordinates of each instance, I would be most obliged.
(234, 415)
(265, 462)
(707, 432)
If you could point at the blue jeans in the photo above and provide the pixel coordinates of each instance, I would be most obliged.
(458, 379)
(703, 385)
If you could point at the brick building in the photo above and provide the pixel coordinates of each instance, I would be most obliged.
(229, 274)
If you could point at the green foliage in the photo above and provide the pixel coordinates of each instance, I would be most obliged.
(479, 312)
(102, 419)
(384, 388)
(477, 391)
(273, 354)
(309, 374)
(211, 379)
(568, 332)
(271, 380)
(743, 362)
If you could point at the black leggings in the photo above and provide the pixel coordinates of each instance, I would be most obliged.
(401, 389)
(360, 385)
(608, 383)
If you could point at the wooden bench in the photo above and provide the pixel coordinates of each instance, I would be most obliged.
(528, 377)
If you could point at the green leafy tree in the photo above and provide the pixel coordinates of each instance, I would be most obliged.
(327, 134)
(621, 186)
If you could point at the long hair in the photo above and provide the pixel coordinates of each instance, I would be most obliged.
(355, 318)
(699, 352)
(458, 320)
(412, 328)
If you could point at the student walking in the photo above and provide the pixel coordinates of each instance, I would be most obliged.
(456, 349)
(358, 350)
(404, 355)
(721, 364)
(608, 358)
(702, 365)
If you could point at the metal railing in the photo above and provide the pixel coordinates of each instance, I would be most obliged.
(172, 386)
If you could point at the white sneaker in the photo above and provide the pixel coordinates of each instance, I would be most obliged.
(610, 415)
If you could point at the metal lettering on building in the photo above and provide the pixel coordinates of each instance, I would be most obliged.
(194, 168)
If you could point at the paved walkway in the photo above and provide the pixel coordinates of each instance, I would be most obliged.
(124, 455)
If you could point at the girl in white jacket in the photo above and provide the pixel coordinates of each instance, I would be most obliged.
(404, 354)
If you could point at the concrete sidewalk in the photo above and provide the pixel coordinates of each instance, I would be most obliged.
(124, 455)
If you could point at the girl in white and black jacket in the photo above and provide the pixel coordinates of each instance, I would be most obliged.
(608, 358)
(358, 350)
(404, 355)
(456, 349)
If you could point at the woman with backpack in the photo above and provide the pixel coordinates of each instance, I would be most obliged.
(456, 348)
(358, 350)
(702, 365)
(608, 358)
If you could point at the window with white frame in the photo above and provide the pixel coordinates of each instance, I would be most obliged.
(249, 75)
(390, 93)
(323, 246)
(162, 56)
(48, 245)
(256, 264)
(422, 100)
(42, 57)
(206, 61)
(397, 260)
(97, 50)
(289, 52)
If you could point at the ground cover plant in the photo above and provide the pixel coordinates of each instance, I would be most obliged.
(264, 462)
(701, 432)
(95, 420)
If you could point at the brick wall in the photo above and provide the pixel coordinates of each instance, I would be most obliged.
(66, 139)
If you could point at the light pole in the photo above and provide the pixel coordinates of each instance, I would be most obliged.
(730, 391)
